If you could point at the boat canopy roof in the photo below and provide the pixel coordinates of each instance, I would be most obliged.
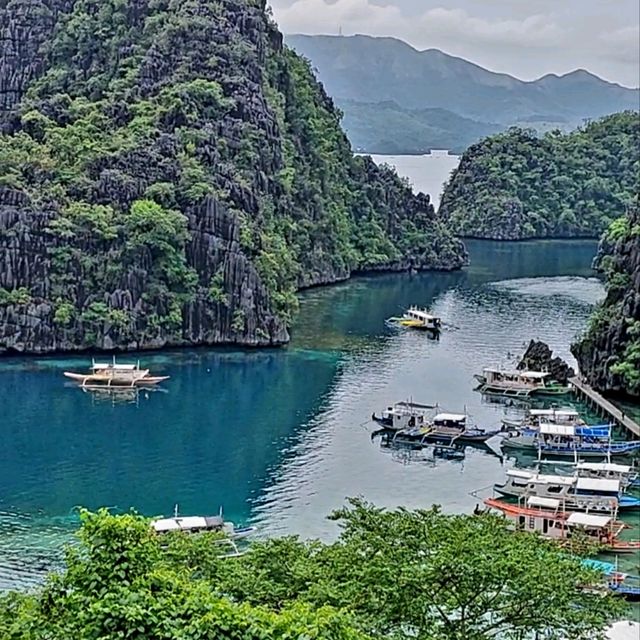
(596, 431)
(108, 365)
(566, 413)
(420, 313)
(414, 405)
(588, 520)
(549, 479)
(541, 478)
(552, 429)
(548, 503)
(603, 466)
(180, 524)
(520, 473)
(598, 484)
(450, 417)
(605, 567)
(536, 375)
(185, 524)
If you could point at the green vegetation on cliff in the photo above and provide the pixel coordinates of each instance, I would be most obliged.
(516, 185)
(172, 174)
(474, 579)
(609, 352)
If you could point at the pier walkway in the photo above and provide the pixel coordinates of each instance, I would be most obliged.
(605, 407)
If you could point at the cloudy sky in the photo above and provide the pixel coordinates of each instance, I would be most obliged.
(526, 38)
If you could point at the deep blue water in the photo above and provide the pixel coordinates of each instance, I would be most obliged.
(280, 437)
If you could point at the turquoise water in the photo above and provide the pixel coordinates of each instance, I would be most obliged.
(281, 437)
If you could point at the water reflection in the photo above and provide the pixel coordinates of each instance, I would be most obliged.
(282, 436)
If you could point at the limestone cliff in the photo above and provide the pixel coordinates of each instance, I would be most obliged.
(518, 185)
(609, 352)
(171, 174)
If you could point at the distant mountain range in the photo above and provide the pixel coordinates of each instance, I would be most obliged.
(397, 99)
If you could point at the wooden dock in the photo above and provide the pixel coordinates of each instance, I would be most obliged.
(604, 407)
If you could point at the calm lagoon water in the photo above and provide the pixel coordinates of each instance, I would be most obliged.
(281, 437)
(426, 173)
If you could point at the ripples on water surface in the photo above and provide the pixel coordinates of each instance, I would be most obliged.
(282, 436)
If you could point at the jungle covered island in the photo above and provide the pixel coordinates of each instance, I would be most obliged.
(516, 185)
(475, 579)
(171, 174)
(609, 351)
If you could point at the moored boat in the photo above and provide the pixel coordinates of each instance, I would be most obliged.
(403, 415)
(546, 517)
(115, 374)
(416, 318)
(617, 582)
(519, 383)
(575, 493)
(625, 473)
(201, 524)
(535, 417)
(573, 441)
(416, 423)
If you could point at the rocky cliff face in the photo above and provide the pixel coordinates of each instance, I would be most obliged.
(170, 174)
(609, 352)
(539, 357)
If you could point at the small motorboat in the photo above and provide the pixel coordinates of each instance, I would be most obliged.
(114, 374)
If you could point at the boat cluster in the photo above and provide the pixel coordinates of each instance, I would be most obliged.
(582, 503)
(425, 426)
(581, 507)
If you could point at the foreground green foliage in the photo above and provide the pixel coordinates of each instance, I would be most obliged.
(517, 185)
(609, 351)
(167, 152)
(419, 575)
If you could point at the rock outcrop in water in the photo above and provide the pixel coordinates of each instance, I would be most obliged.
(609, 352)
(170, 174)
(539, 357)
(517, 185)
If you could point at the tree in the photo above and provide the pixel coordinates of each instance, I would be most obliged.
(121, 582)
(426, 575)
(419, 575)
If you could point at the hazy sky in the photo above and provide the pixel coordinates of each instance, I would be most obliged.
(526, 38)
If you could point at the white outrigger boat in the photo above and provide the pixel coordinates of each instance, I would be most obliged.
(114, 374)
(576, 493)
(626, 474)
(535, 417)
(416, 318)
(200, 524)
(519, 384)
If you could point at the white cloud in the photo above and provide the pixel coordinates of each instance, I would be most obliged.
(360, 16)
(622, 44)
(526, 39)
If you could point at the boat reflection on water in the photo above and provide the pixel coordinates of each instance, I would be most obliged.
(407, 451)
(120, 395)
(517, 405)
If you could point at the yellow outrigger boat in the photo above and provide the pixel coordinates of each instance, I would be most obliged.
(416, 318)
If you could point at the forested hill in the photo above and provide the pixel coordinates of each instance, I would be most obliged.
(397, 99)
(517, 185)
(170, 174)
(609, 352)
